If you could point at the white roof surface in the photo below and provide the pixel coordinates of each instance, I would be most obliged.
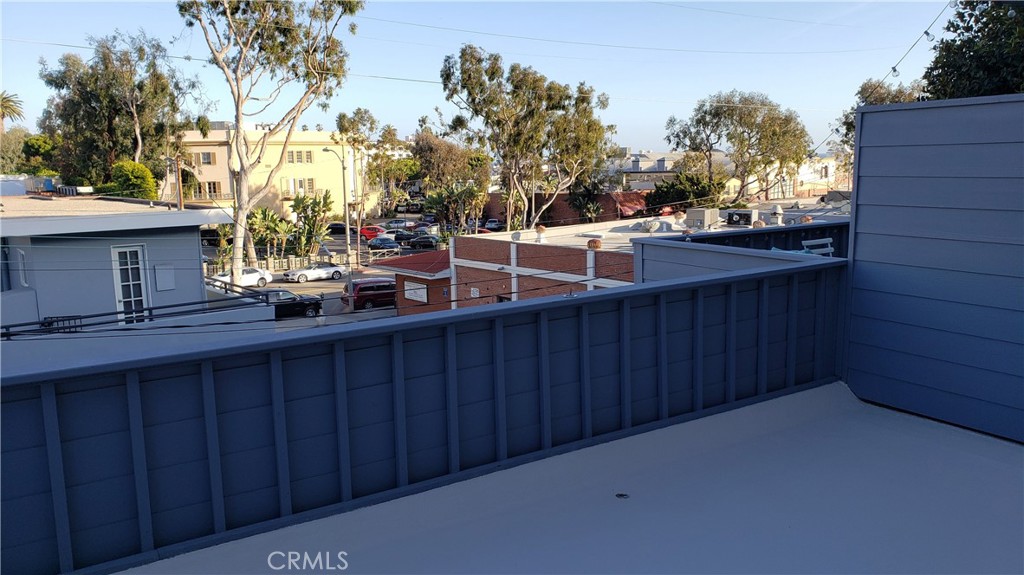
(44, 215)
(814, 482)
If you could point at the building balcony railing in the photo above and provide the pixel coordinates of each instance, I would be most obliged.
(151, 457)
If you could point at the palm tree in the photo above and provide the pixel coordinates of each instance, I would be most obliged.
(261, 225)
(10, 108)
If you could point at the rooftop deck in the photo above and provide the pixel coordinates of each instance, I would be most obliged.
(814, 482)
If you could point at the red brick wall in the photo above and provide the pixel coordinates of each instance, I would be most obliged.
(614, 265)
(481, 250)
(491, 284)
(436, 297)
(555, 258)
(533, 287)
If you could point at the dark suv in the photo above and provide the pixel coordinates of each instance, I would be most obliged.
(372, 293)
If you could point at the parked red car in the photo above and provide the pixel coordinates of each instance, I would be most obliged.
(370, 232)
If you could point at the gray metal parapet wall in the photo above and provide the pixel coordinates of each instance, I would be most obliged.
(115, 465)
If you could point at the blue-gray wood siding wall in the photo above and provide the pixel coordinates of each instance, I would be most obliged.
(937, 303)
(109, 467)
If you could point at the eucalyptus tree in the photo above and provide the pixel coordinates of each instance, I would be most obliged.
(265, 50)
(544, 134)
(10, 109)
(763, 140)
(126, 101)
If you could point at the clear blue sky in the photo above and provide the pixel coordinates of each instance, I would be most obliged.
(653, 59)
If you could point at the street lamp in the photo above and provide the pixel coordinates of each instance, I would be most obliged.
(348, 227)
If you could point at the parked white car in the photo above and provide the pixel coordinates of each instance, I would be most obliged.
(251, 277)
(315, 271)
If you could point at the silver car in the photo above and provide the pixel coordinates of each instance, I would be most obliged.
(315, 271)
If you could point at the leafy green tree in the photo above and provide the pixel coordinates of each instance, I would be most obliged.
(701, 135)
(10, 109)
(12, 157)
(684, 190)
(265, 50)
(871, 93)
(442, 162)
(764, 141)
(388, 169)
(985, 56)
(546, 135)
(134, 180)
(123, 102)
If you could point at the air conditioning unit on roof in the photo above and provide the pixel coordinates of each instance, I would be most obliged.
(701, 218)
(741, 217)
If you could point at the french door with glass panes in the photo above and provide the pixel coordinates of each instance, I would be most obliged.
(130, 283)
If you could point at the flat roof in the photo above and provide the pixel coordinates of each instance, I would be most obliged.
(427, 264)
(32, 215)
(813, 482)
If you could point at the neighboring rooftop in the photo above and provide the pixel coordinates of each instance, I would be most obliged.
(44, 215)
(426, 264)
(617, 235)
(814, 482)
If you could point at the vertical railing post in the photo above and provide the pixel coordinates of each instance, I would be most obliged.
(762, 337)
(452, 399)
(140, 469)
(341, 422)
(284, 484)
(662, 357)
(544, 379)
(586, 399)
(698, 349)
(213, 448)
(730, 344)
(58, 486)
(500, 412)
(625, 369)
(792, 328)
(401, 435)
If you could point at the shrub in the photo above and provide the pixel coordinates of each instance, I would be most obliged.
(106, 189)
(134, 180)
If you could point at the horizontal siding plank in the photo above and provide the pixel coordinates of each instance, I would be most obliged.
(986, 385)
(958, 409)
(941, 315)
(953, 286)
(962, 349)
(969, 124)
(995, 226)
(933, 192)
(952, 161)
(977, 257)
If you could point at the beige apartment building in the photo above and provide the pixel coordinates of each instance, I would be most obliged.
(307, 168)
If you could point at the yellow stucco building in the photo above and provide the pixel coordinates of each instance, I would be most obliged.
(307, 168)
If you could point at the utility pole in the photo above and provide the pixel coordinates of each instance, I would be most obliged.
(348, 229)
